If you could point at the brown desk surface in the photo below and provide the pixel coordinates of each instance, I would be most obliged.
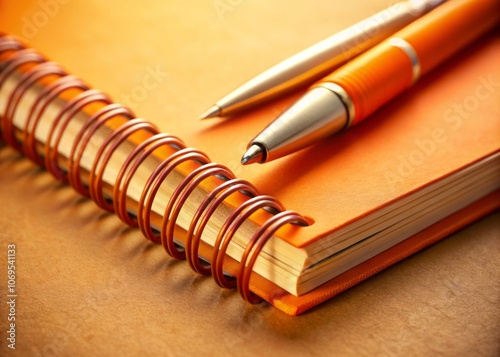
(88, 285)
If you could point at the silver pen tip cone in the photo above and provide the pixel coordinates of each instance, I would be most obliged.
(252, 155)
(211, 113)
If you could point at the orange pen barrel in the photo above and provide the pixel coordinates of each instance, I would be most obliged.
(377, 76)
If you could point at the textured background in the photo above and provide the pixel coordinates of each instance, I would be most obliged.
(87, 285)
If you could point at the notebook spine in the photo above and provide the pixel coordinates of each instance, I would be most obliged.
(35, 68)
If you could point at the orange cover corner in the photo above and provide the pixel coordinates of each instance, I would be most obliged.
(296, 305)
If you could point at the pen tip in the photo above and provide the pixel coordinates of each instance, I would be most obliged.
(211, 113)
(253, 154)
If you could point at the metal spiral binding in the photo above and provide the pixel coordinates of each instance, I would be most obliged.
(82, 139)
(55, 83)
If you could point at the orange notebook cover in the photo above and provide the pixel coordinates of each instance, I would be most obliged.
(448, 121)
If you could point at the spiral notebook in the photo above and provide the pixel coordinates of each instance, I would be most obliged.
(295, 232)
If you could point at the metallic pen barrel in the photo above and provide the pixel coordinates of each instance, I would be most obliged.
(319, 113)
(318, 60)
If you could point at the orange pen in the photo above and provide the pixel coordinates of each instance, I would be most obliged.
(350, 94)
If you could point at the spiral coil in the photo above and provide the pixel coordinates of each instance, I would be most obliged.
(35, 70)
